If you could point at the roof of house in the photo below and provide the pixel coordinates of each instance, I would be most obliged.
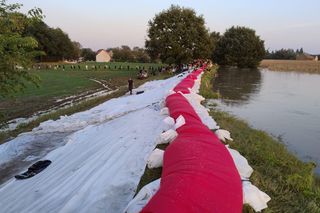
(99, 51)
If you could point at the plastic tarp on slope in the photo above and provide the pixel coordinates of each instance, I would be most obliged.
(198, 174)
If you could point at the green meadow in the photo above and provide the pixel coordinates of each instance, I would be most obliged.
(57, 84)
(61, 80)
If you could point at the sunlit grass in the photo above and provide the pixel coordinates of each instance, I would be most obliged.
(292, 65)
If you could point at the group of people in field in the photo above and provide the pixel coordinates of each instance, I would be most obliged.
(176, 69)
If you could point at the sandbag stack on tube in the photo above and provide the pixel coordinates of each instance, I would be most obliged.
(199, 174)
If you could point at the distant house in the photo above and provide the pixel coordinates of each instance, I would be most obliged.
(103, 56)
(306, 57)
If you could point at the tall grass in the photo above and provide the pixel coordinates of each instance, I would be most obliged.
(206, 88)
(292, 65)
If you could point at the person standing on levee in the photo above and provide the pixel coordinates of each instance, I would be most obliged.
(130, 85)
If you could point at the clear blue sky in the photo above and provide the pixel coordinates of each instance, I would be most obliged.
(105, 23)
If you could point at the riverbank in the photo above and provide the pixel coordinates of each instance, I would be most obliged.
(289, 182)
(291, 65)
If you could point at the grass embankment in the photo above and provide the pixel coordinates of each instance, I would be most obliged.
(292, 65)
(289, 182)
(77, 107)
(206, 87)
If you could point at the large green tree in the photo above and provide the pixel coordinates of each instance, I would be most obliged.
(214, 39)
(125, 53)
(178, 35)
(241, 47)
(55, 43)
(16, 51)
(88, 54)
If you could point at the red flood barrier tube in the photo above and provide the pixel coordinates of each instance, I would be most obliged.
(198, 174)
(179, 105)
(188, 82)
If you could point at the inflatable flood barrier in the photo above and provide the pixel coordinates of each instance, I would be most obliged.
(199, 174)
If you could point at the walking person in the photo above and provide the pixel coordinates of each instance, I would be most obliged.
(130, 85)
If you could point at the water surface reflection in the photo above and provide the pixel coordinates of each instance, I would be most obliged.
(237, 86)
(285, 104)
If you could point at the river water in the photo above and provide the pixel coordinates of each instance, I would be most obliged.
(284, 104)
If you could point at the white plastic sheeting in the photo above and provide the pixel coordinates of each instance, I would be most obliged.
(96, 171)
(155, 91)
(143, 197)
(164, 111)
(99, 167)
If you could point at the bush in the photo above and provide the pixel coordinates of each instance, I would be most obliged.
(241, 47)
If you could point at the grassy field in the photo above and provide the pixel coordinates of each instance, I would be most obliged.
(292, 65)
(289, 182)
(120, 78)
(58, 83)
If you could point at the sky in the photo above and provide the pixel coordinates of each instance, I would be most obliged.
(102, 24)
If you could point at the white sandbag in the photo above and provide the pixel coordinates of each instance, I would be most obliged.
(162, 104)
(201, 111)
(143, 197)
(168, 123)
(180, 121)
(254, 197)
(164, 111)
(167, 136)
(155, 160)
(170, 92)
(243, 167)
(199, 98)
(197, 83)
(223, 135)
(179, 92)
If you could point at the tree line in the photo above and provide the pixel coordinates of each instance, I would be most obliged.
(178, 35)
(174, 36)
(120, 54)
(53, 42)
(284, 54)
(126, 54)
